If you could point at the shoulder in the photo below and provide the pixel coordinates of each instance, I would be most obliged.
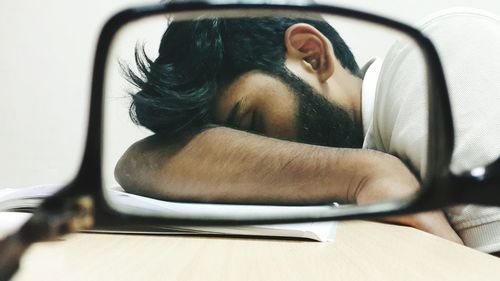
(467, 40)
(461, 27)
(450, 17)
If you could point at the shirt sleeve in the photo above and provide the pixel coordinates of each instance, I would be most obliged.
(468, 43)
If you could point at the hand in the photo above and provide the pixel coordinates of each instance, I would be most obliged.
(392, 180)
(433, 222)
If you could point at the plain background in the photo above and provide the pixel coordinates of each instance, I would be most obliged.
(46, 57)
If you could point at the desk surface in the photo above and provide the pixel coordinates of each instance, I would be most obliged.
(361, 251)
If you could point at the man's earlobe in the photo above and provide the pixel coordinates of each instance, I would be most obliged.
(304, 42)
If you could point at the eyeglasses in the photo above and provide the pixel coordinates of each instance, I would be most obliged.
(183, 37)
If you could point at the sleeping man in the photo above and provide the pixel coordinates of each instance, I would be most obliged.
(276, 110)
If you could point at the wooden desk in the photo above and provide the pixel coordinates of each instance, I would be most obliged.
(362, 251)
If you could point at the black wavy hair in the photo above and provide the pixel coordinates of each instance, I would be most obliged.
(198, 58)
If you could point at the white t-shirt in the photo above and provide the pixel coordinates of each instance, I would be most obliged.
(468, 43)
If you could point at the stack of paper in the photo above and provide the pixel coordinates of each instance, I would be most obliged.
(26, 200)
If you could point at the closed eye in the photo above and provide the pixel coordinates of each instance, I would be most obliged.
(232, 119)
(242, 116)
(246, 120)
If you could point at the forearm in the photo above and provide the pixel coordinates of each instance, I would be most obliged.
(226, 165)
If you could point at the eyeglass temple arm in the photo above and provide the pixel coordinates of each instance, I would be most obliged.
(49, 221)
(480, 185)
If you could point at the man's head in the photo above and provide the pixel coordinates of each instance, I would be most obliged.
(288, 78)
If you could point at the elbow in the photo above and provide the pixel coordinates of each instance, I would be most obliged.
(139, 170)
(128, 171)
(122, 173)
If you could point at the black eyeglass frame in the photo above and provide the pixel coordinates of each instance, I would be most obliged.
(441, 188)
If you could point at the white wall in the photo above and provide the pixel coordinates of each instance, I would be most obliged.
(46, 53)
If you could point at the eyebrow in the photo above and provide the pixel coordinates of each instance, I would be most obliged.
(231, 119)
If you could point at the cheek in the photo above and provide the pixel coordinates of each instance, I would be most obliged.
(277, 113)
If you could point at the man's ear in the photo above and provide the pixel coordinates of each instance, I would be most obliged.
(304, 42)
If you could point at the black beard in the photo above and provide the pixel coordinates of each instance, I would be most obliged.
(320, 121)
